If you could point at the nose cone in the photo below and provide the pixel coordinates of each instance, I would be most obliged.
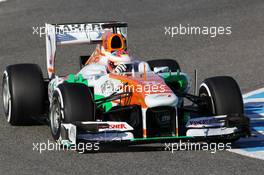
(166, 99)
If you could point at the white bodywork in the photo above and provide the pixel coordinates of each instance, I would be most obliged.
(205, 132)
(114, 131)
(208, 126)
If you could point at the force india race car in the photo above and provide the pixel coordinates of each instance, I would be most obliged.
(144, 103)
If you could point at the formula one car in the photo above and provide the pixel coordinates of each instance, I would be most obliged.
(115, 98)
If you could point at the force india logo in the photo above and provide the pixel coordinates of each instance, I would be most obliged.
(203, 122)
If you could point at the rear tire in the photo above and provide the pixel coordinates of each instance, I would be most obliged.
(172, 64)
(71, 102)
(225, 94)
(23, 93)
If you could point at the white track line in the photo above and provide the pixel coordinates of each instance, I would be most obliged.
(257, 136)
(253, 100)
(256, 155)
(253, 92)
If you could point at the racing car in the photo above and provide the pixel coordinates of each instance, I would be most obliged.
(116, 98)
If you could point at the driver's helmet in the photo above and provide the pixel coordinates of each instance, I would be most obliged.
(114, 48)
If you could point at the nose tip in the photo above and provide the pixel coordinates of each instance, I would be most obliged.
(155, 100)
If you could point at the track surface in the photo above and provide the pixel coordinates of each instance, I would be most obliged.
(240, 55)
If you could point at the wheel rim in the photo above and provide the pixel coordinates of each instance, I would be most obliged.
(55, 117)
(6, 98)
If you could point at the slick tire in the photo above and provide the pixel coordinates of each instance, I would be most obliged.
(71, 102)
(23, 93)
(225, 95)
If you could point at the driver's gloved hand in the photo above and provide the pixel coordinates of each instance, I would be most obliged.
(120, 68)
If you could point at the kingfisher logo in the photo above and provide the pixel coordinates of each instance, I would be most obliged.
(114, 126)
(117, 126)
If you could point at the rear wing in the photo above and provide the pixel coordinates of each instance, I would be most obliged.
(78, 33)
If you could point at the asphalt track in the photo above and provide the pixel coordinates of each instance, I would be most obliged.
(240, 55)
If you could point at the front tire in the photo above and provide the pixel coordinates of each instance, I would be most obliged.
(71, 102)
(225, 95)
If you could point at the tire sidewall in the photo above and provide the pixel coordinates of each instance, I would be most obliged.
(225, 95)
(26, 97)
(63, 95)
(205, 92)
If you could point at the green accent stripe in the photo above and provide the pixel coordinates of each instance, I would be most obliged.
(162, 138)
(76, 79)
(107, 106)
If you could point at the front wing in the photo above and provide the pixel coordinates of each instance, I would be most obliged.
(215, 128)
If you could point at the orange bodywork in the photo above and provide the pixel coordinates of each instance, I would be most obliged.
(150, 84)
(95, 57)
(51, 70)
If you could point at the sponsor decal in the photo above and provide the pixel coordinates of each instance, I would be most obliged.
(117, 126)
(203, 122)
(103, 126)
(165, 118)
(112, 126)
(107, 88)
(76, 28)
